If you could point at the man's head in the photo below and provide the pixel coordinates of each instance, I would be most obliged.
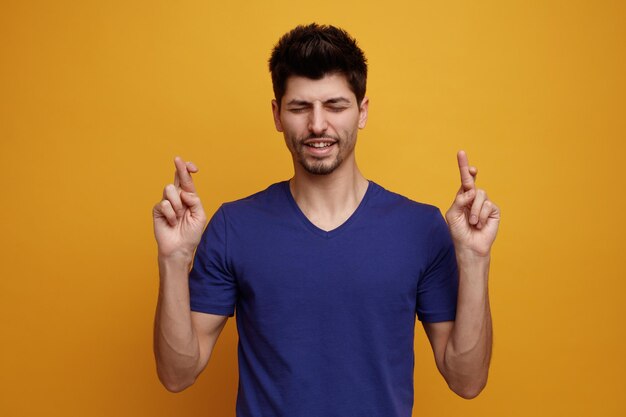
(319, 76)
(314, 51)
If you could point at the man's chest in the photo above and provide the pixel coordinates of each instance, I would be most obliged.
(367, 270)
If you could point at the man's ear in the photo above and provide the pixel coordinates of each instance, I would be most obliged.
(363, 112)
(276, 113)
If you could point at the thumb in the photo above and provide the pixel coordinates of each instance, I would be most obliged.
(192, 201)
(463, 200)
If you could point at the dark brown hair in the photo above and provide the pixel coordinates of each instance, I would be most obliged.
(314, 51)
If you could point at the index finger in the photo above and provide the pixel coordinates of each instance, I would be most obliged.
(467, 179)
(182, 178)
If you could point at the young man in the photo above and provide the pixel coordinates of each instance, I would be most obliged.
(327, 271)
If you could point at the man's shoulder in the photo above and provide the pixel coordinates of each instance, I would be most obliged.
(270, 198)
(406, 216)
(386, 200)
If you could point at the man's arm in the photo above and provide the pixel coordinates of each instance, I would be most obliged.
(462, 348)
(183, 340)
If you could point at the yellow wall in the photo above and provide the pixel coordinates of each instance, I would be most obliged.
(96, 97)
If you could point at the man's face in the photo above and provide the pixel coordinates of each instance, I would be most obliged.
(320, 120)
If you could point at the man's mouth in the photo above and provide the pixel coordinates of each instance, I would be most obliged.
(319, 143)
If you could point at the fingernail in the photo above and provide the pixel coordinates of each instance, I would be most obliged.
(473, 219)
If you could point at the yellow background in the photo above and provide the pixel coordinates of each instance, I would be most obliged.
(96, 98)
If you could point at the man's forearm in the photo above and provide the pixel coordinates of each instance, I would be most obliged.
(176, 345)
(468, 351)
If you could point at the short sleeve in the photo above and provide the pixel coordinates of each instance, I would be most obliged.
(212, 287)
(437, 289)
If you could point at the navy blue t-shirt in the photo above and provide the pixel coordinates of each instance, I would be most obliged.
(325, 319)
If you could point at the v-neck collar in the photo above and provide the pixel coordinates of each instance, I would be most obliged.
(337, 230)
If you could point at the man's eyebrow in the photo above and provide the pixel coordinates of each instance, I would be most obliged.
(336, 100)
(333, 100)
(296, 102)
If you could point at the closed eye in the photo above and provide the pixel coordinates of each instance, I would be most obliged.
(337, 109)
(297, 109)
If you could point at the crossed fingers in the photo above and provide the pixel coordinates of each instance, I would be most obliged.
(182, 177)
(481, 206)
(172, 206)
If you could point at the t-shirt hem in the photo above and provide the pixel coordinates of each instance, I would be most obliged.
(212, 309)
(437, 317)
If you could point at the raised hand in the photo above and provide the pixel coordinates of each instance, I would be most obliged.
(473, 219)
(179, 218)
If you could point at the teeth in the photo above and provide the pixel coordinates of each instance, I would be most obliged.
(319, 144)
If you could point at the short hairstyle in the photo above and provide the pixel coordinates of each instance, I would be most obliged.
(314, 51)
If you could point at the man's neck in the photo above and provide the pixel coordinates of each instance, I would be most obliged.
(329, 200)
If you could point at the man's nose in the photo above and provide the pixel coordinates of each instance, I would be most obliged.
(317, 120)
